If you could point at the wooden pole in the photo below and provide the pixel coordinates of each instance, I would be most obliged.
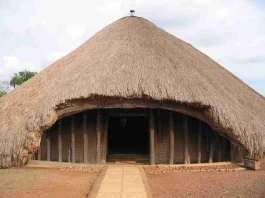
(73, 139)
(152, 137)
(69, 154)
(212, 142)
(60, 147)
(219, 148)
(158, 133)
(160, 138)
(199, 141)
(227, 152)
(85, 138)
(98, 136)
(105, 140)
(224, 149)
(231, 150)
(207, 141)
(171, 139)
(48, 141)
(39, 152)
(69, 148)
(33, 157)
(186, 141)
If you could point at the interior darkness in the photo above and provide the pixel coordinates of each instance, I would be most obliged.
(128, 135)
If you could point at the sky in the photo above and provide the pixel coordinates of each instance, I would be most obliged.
(35, 33)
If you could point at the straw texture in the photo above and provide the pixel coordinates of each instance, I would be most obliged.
(131, 58)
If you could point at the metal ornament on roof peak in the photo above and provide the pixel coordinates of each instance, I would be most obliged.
(132, 12)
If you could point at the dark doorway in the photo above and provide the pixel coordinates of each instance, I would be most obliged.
(128, 135)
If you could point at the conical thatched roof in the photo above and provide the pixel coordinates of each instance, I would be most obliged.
(131, 59)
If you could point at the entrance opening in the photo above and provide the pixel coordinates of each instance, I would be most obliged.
(128, 138)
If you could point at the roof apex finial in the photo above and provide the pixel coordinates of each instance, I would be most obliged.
(132, 12)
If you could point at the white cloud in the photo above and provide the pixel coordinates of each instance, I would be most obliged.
(10, 65)
(11, 62)
(13, 65)
(75, 31)
(52, 58)
(57, 55)
(224, 12)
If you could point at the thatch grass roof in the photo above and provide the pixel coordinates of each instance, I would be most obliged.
(131, 58)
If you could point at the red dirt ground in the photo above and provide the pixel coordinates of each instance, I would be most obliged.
(244, 183)
(45, 182)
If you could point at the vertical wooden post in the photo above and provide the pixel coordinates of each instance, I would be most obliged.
(73, 139)
(33, 157)
(231, 151)
(171, 139)
(227, 152)
(199, 141)
(69, 154)
(85, 138)
(160, 138)
(39, 152)
(60, 147)
(152, 137)
(224, 149)
(70, 148)
(105, 140)
(48, 141)
(207, 133)
(158, 133)
(219, 148)
(98, 136)
(213, 141)
(186, 141)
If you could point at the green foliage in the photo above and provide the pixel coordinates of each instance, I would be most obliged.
(21, 77)
(4, 87)
(2, 93)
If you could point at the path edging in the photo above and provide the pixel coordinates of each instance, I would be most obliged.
(93, 190)
(146, 184)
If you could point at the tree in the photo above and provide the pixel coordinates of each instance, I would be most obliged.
(2, 94)
(21, 77)
(4, 87)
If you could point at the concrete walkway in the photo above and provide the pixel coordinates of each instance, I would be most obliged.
(122, 182)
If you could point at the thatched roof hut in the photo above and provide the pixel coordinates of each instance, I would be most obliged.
(131, 63)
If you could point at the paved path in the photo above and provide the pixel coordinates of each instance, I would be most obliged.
(122, 182)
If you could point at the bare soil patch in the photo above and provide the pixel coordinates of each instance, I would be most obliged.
(46, 182)
(168, 183)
